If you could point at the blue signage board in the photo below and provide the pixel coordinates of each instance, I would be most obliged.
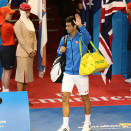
(14, 111)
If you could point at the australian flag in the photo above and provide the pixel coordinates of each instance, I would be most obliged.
(89, 8)
(109, 7)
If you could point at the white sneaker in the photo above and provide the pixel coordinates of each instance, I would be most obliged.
(64, 129)
(86, 127)
(128, 80)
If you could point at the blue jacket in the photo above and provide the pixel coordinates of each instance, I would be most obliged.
(73, 52)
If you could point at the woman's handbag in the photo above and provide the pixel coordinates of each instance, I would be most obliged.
(91, 62)
(58, 66)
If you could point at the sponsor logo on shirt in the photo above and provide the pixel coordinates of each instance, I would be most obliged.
(76, 42)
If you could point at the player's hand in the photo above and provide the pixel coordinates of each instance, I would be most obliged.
(32, 54)
(62, 49)
(78, 21)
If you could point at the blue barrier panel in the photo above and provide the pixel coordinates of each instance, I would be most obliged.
(119, 44)
(129, 64)
(14, 111)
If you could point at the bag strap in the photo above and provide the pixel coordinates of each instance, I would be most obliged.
(80, 40)
(93, 46)
(80, 47)
(65, 40)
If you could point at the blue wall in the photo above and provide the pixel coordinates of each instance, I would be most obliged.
(121, 64)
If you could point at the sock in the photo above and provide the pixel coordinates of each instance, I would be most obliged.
(87, 118)
(3, 87)
(65, 122)
(5, 90)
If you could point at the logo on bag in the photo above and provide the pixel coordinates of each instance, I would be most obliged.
(101, 61)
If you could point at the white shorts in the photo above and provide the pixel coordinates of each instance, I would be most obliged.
(81, 82)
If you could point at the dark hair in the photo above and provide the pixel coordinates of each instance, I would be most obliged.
(70, 19)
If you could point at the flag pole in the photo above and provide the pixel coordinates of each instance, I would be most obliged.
(125, 3)
(10, 1)
(9, 4)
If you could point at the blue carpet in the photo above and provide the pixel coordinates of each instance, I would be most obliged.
(103, 118)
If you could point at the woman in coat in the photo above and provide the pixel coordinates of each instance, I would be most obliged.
(26, 49)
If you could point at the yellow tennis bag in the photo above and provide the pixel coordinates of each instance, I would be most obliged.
(91, 62)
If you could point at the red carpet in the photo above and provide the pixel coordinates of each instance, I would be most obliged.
(45, 94)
